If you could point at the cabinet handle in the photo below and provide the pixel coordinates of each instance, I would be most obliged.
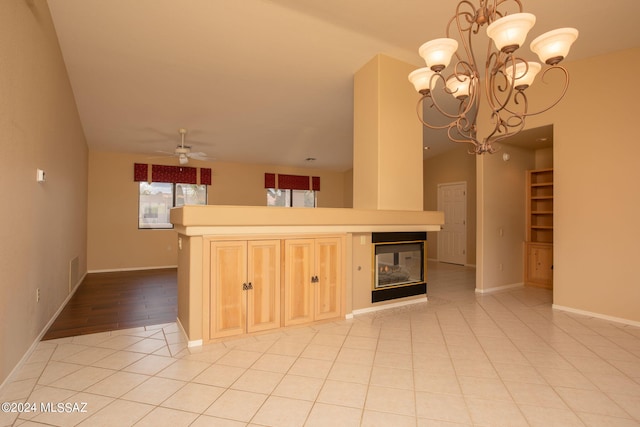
(314, 279)
(245, 286)
(249, 286)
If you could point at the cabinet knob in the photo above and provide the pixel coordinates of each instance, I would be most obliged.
(314, 279)
(249, 285)
(245, 286)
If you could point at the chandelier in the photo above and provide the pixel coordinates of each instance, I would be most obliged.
(506, 75)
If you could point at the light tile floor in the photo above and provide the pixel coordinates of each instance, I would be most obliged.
(460, 359)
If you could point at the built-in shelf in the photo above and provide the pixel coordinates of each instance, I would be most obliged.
(539, 244)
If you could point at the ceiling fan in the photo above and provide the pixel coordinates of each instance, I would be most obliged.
(183, 152)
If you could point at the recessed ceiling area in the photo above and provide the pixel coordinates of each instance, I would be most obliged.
(532, 139)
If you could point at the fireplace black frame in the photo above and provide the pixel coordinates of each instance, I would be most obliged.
(406, 290)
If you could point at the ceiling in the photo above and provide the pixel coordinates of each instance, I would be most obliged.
(264, 81)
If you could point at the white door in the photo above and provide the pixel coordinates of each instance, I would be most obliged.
(452, 239)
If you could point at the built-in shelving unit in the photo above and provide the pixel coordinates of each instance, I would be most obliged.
(539, 243)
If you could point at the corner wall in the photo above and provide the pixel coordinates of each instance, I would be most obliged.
(596, 204)
(387, 138)
(44, 224)
(503, 210)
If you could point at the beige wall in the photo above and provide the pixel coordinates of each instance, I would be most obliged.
(596, 199)
(114, 240)
(243, 184)
(503, 211)
(43, 224)
(387, 138)
(455, 165)
(544, 158)
(596, 203)
(348, 189)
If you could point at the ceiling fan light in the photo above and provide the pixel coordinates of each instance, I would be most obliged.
(421, 79)
(459, 86)
(437, 53)
(509, 32)
(183, 159)
(553, 46)
(524, 74)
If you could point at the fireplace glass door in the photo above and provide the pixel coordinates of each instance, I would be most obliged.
(398, 264)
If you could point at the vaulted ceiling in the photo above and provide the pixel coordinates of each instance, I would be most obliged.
(264, 81)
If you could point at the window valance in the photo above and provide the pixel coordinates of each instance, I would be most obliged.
(291, 182)
(171, 174)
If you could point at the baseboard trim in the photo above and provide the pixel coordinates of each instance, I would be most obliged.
(195, 343)
(596, 315)
(44, 330)
(386, 306)
(499, 288)
(461, 265)
(114, 270)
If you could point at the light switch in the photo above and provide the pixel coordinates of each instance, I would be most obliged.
(40, 175)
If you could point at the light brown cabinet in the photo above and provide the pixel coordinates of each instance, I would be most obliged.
(244, 292)
(312, 280)
(539, 223)
(259, 283)
(539, 264)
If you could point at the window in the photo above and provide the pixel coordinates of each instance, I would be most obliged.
(291, 198)
(190, 194)
(157, 198)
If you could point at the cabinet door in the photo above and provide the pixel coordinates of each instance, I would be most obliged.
(263, 296)
(297, 281)
(540, 265)
(228, 299)
(328, 269)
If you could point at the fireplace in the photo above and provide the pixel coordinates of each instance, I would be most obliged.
(399, 267)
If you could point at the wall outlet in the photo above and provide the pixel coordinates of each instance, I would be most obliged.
(38, 295)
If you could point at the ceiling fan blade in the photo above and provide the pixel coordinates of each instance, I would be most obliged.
(158, 157)
(199, 157)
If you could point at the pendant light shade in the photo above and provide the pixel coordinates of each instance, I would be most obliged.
(509, 32)
(421, 79)
(553, 46)
(459, 86)
(437, 53)
(524, 74)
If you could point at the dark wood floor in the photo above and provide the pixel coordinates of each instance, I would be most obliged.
(120, 300)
